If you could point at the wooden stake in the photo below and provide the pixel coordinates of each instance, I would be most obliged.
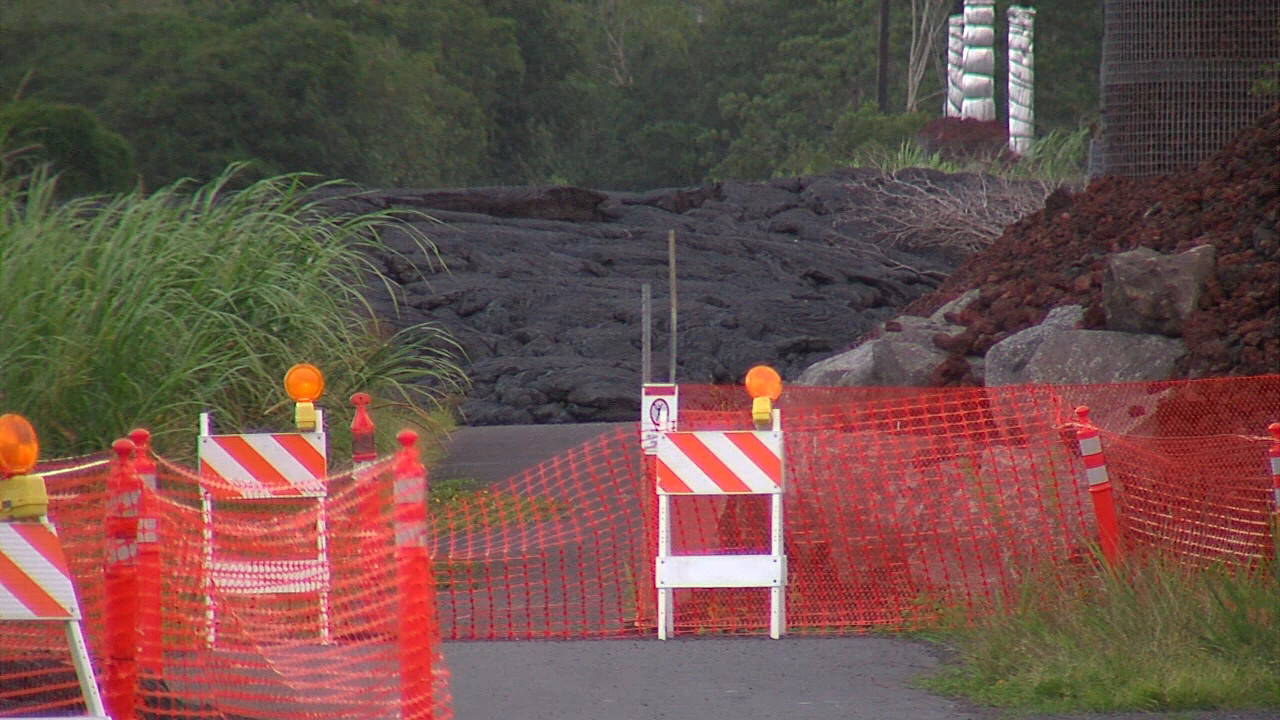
(646, 332)
(671, 263)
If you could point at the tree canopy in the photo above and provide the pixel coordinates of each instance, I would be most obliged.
(607, 93)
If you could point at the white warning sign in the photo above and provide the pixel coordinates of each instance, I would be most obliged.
(658, 406)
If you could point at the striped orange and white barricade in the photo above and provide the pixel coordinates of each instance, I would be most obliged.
(721, 463)
(264, 468)
(35, 584)
(1274, 454)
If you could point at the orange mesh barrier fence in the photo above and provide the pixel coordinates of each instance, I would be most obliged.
(36, 674)
(247, 625)
(900, 505)
(556, 551)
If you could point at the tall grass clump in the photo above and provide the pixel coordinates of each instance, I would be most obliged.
(1057, 159)
(1060, 158)
(145, 309)
(1154, 635)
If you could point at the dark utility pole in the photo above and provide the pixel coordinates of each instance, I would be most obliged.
(882, 81)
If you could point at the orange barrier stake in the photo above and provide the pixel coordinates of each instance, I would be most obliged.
(1104, 507)
(150, 639)
(362, 449)
(123, 488)
(415, 593)
(1274, 428)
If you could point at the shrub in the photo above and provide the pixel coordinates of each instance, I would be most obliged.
(87, 157)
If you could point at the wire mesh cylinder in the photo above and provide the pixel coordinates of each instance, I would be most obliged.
(1176, 79)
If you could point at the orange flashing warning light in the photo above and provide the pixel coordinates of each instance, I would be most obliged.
(19, 446)
(764, 385)
(22, 495)
(305, 384)
(764, 381)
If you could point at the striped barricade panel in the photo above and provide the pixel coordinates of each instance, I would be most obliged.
(731, 462)
(35, 583)
(282, 577)
(264, 465)
(717, 463)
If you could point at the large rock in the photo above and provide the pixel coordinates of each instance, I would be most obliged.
(1079, 357)
(1144, 291)
(956, 306)
(904, 356)
(1006, 361)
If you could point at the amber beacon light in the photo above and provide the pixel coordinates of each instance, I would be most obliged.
(764, 385)
(22, 494)
(305, 383)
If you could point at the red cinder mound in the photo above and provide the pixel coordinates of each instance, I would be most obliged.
(964, 138)
(1056, 257)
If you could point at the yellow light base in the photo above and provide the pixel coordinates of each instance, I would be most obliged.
(304, 416)
(23, 497)
(762, 412)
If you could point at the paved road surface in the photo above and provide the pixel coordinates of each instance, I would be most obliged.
(718, 678)
(696, 678)
(493, 454)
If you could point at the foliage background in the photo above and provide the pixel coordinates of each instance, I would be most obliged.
(619, 94)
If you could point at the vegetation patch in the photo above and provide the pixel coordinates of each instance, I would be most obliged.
(146, 309)
(463, 504)
(1153, 636)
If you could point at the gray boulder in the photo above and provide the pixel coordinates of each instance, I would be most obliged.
(904, 356)
(1146, 292)
(1076, 357)
(957, 305)
(1006, 361)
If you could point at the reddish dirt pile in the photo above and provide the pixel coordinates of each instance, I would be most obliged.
(964, 138)
(1056, 256)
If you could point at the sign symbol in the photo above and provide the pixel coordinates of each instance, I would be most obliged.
(659, 411)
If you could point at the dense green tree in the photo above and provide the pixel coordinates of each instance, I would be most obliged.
(609, 93)
(85, 156)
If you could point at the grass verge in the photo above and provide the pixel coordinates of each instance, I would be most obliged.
(1155, 636)
(145, 309)
(457, 504)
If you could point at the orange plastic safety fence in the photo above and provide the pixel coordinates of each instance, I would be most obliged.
(901, 504)
(251, 622)
(557, 551)
(36, 674)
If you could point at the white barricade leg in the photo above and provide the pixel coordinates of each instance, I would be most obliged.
(666, 596)
(206, 549)
(84, 671)
(322, 548)
(777, 593)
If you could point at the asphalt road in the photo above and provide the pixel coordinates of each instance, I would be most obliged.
(493, 454)
(694, 678)
(700, 678)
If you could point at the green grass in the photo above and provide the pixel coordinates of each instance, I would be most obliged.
(1155, 636)
(145, 309)
(1058, 158)
(464, 504)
